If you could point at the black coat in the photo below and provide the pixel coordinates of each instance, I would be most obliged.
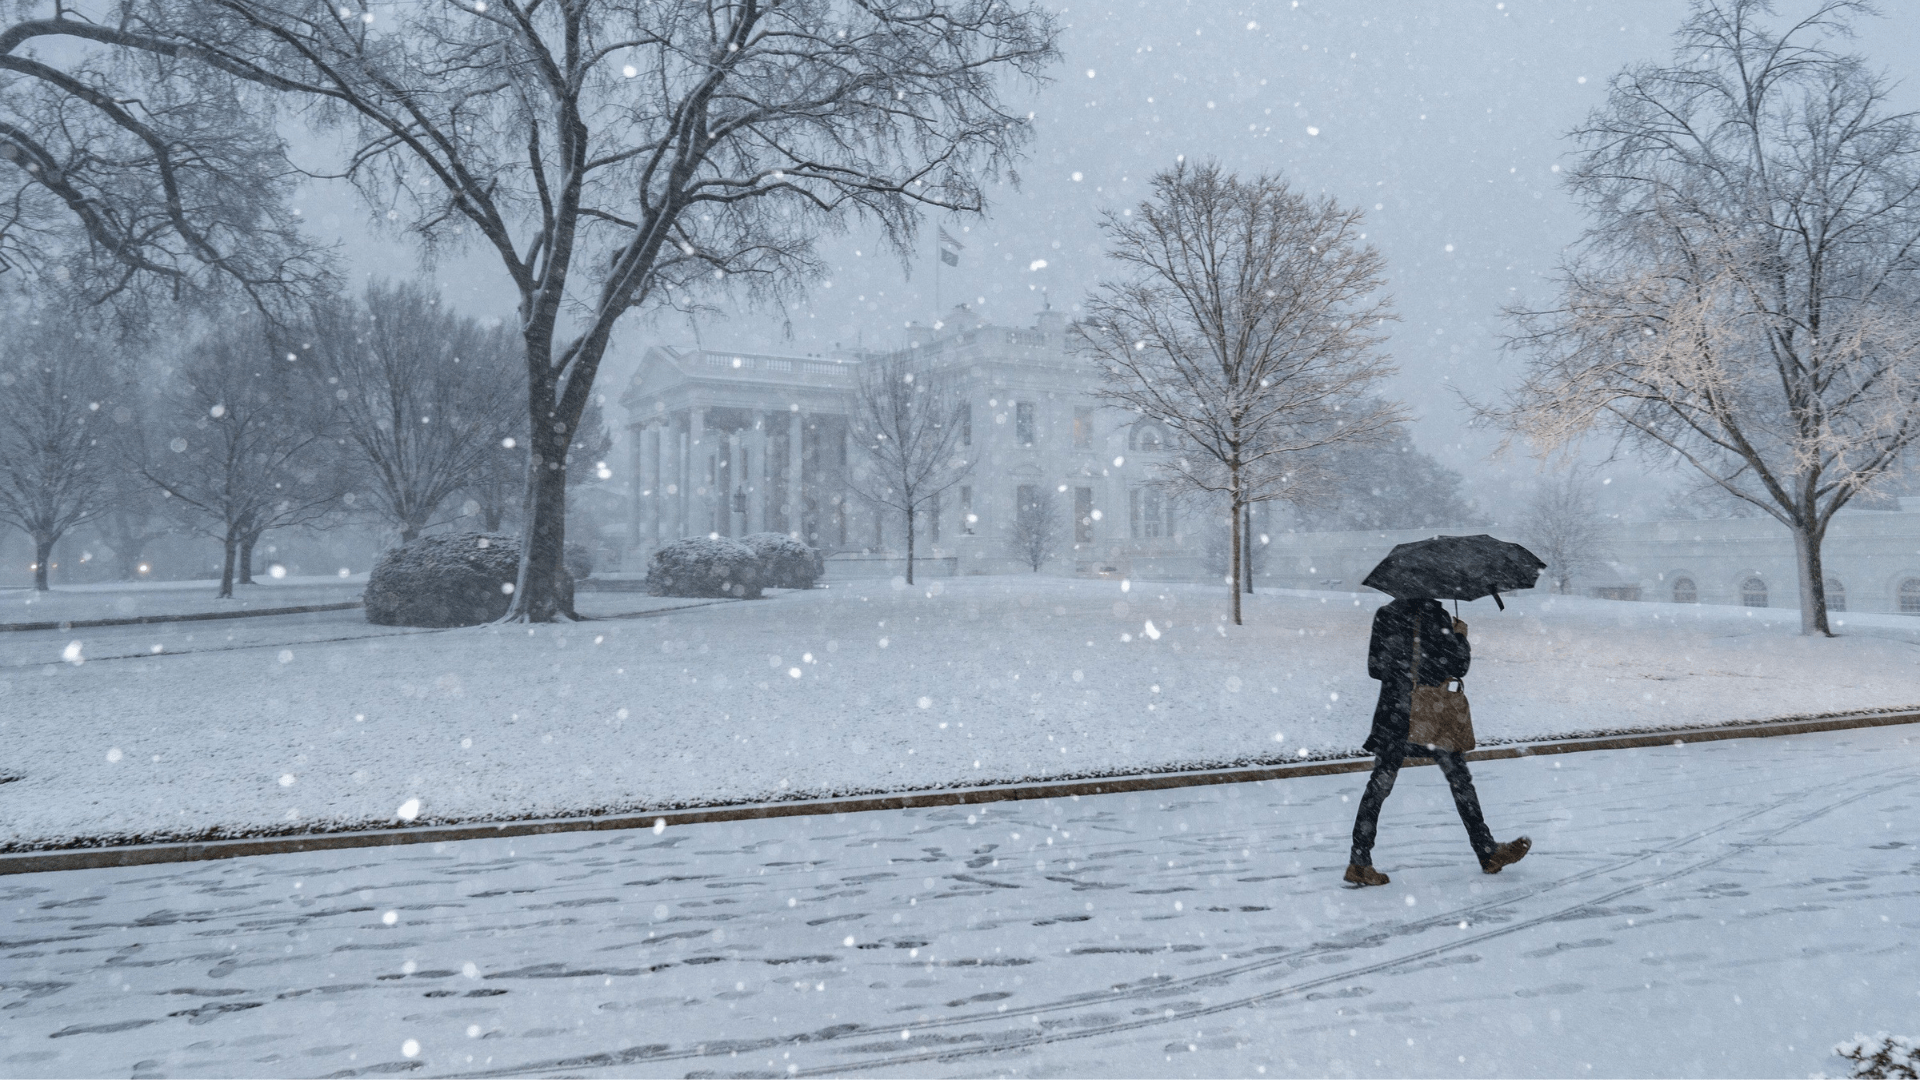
(1444, 655)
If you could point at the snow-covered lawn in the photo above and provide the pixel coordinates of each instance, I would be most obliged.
(1726, 909)
(120, 599)
(860, 687)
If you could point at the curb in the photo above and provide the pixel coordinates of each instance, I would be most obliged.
(198, 616)
(198, 851)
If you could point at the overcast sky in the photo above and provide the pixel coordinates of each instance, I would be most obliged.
(1445, 125)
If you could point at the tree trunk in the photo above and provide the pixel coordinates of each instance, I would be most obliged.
(229, 548)
(1813, 584)
(1236, 554)
(541, 594)
(42, 555)
(909, 547)
(126, 563)
(246, 557)
(1246, 535)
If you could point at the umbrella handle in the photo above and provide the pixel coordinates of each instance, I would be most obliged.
(1497, 600)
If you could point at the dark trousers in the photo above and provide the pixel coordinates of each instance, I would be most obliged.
(1386, 767)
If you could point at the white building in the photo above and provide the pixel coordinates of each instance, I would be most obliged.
(730, 443)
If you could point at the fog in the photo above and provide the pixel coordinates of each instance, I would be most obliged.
(1445, 126)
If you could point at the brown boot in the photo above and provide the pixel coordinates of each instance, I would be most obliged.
(1506, 855)
(1365, 875)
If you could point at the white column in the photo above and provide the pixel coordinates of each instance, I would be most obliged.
(683, 490)
(699, 491)
(796, 447)
(644, 532)
(736, 482)
(637, 494)
(759, 491)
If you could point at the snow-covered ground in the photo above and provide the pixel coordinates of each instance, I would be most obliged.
(1724, 909)
(860, 687)
(120, 599)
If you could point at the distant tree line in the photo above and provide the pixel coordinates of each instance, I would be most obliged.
(388, 409)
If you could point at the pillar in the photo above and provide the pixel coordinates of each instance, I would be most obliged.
(759, 491)
(796, 433)
(699, 500)
(641, 531)
(637, 493)
(735, 483)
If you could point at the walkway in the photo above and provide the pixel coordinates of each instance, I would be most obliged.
(1725, 909)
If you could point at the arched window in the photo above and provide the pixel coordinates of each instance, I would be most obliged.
(1753, 592)
(1684, 591)
(1147, 436)
(1836, 595)
(1910, 596)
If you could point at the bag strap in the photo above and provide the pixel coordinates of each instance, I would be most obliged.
(1413, 671)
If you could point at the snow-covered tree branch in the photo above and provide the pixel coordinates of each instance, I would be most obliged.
(1744, 303)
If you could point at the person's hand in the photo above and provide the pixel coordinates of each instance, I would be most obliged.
(1460, 627)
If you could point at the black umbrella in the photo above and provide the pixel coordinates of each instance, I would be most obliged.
(1456, 568)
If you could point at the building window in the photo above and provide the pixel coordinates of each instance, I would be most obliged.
(1082, 514)
(1023, 423)
(1684, 591)
(1910, 596)
(1147, 436)
(1753, 592)
(968, 519)
(933, 520)
(1836, 595)
(966, 423)
(1082, 427)
(1148, 508)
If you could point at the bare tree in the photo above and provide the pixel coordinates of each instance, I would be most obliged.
(1035, 536)
(139, 175)
(1249, 325)
(1745, 300)
(617, 154)
(909, 422)
(1562, 525)
(425, 395)
(53, 467)
(133, 513)
(249, 440)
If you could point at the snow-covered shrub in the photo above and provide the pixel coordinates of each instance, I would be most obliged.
(785, 563)
(449, 579)
(705, 566)
(1882, 1056)
(579, 559)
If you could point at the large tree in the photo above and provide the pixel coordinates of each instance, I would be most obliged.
(139, 175)
(1745, 300)
(1248, 322)
(909, 422)
(251, 441)
(616, 154)
(425, 394)
(54, 466)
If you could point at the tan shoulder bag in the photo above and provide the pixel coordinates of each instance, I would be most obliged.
(1440, 719)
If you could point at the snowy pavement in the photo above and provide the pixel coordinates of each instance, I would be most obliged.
(121, 599)
(1722, 909)
(322, 721)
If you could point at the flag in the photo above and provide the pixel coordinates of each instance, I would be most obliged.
(950, 248)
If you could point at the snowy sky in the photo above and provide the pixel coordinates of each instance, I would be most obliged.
(1444, 123)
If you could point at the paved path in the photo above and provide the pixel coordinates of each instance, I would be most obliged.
(1726, 909)
(169, 639)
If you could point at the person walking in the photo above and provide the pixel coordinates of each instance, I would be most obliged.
(1401, 627)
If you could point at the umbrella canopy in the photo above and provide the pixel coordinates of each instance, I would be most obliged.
(1456, 568)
